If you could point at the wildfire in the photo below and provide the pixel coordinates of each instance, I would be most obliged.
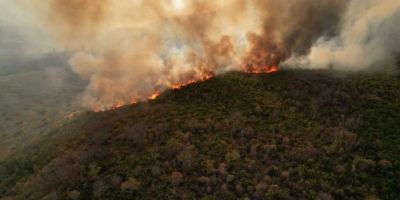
(154, 95)
(134, 101)
(178, 86)
(117, 105)
(207, 76)
(262, 70)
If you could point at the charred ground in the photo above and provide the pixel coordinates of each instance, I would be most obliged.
(294, 134)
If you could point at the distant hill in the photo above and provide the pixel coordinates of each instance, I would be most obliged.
(35, 96)
(295, 134)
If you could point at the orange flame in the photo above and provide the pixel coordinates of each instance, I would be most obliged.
(134, 101)
(117, 105)
(205, 77)
(262, 70)
(177, 86)
(155, 95)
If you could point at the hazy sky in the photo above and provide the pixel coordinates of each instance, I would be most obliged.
(20, 36)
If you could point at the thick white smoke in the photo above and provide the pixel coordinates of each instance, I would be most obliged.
(369, 35)
(130, 49)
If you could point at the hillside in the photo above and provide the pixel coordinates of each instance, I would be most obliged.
(34, 101)
(293, 134)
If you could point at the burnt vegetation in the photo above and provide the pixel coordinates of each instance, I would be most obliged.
(294, 134)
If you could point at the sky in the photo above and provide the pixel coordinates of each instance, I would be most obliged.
(21, 37)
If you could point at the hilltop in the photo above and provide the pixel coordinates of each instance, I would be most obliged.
(295, 134)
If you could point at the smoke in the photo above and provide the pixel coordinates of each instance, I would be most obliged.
(77, 20)
(291, 27)
(369, 35)
(20, 38)
(130, 49)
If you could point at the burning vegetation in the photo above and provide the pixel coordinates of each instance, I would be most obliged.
(133, 50)
(178, 86)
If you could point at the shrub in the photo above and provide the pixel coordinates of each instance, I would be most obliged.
(232, 156)
(176, 178)
(131, 184)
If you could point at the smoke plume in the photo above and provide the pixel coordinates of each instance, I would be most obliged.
(369, 35)
(131, 49)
